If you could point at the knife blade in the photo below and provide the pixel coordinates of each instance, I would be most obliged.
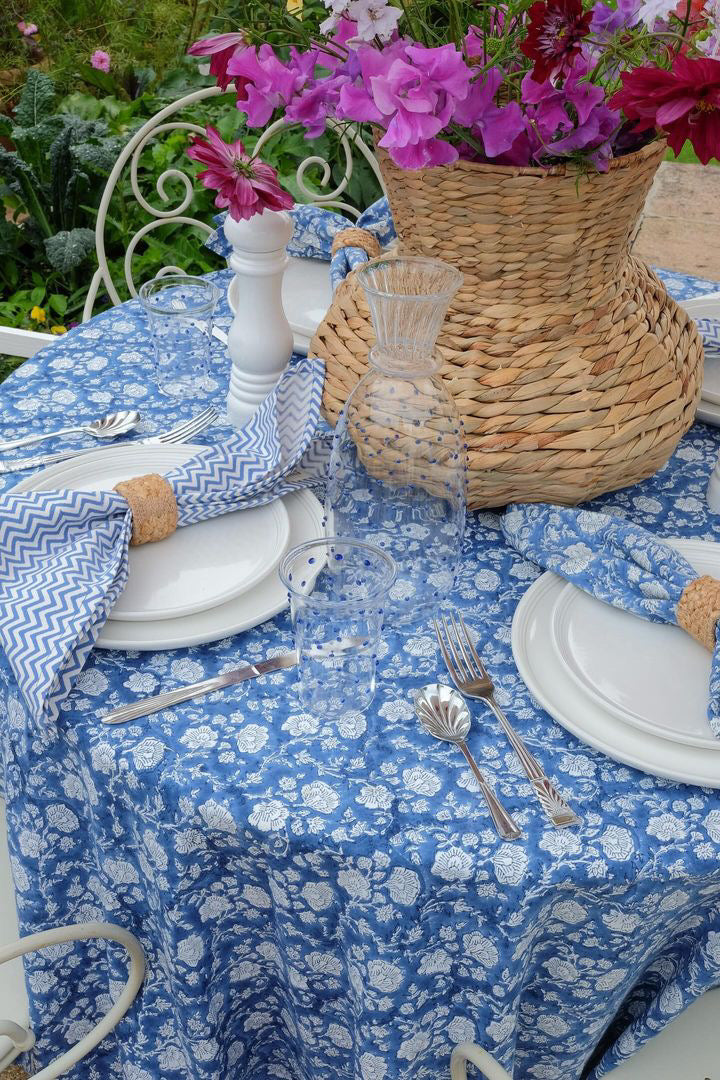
(184, 693)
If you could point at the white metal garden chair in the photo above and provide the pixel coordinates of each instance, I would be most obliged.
(687, 1049)
(16, 1035)
(312, 273)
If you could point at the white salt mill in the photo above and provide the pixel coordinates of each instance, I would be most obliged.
(260, 341)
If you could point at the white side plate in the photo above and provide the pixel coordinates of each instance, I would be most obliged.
(708, 307)
(195, 568)
(579, 707)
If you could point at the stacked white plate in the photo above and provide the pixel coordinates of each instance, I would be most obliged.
(636, 690)
(206, 581)
(708, 307)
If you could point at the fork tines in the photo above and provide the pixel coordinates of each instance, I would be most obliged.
(458, 650)
(190, 427)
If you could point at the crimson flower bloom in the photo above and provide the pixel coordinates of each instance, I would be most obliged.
(220, 48)
(684, 102)
(244, 185)
(557, 28)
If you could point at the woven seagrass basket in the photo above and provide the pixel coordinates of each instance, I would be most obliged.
(575, 373)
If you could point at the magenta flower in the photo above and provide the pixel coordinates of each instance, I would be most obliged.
(411, 91)
(220, 48)
(497, 127)
(265, 81)
(244, 185)
(574, 117)
(27, 29)
(100, 60)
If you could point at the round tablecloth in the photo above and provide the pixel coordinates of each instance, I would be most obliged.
(328, 898)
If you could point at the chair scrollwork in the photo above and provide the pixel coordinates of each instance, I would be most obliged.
(163, 123)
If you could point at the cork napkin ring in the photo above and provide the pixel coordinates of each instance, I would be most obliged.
(698, 609)
(358, 238)
(154, 510)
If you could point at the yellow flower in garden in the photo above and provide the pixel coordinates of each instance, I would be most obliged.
(38, 314)
(295, 7)
(58, 329)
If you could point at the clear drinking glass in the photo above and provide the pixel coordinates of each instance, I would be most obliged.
(338, 589)
(180, 310)
(398, 463)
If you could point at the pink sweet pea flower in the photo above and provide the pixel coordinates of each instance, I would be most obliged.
(265, 81)
(27, 29)
(497, 127)
(220, 48)
(100, 60)
(244, 185)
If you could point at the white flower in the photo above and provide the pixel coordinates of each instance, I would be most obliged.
(569, 911)
(141, 683)
(421, 780)
(410, 1048)
(252, 738)
(324, 963)
(256, 896)
(666, 827)
(622, 923)
(577, 557)
(340, 1036)
(552, 1025)
(375, 797)
(610, 979)
(351, 725)
(269, 816)
(186, 671)
(301, 724)
(435, 963)
(510, 864)
(199, 738)
(452, 864)
(354, 883)
(372, 1067)
(213, 907)
(712, 946)
(460, 1029)
(318, 896)
(121, 872)
(617, 843)
(712, 825)
(487, 581)
(148, 754)
(320, 797)
(92, 682)
(384, 976)
(671, 1000)
(30, 844)
(480, 948)
(404, 886)
(217, 817)
(190, 950)
(397, 709)
(561, 969)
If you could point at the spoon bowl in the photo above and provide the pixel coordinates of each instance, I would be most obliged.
(115, 423)
(443, 713)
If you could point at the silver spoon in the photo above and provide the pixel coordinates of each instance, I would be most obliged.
(116, 423)
(444, 715)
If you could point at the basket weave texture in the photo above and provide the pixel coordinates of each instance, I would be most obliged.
(573, 370)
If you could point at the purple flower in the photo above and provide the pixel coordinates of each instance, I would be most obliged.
(570, 118)
(27, 29)
(607, 20)
(412, 92)
(100, 60)
(497, 127)
(312, 106)
(265, 81)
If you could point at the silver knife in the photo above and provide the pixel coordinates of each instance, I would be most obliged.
(184, 693)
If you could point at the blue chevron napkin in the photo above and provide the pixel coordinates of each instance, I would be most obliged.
(709, 330)
(315, 229)
(64, 554)
(612, 559)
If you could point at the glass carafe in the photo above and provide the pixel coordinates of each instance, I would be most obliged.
(397, 470)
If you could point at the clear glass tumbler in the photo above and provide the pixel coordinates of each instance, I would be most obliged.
(338, 589)
(180, 311)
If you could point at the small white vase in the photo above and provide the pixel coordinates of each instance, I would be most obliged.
(260, 341)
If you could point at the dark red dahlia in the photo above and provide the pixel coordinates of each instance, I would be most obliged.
(556, 31)
(684, 102)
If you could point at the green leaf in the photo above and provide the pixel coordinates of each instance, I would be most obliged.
(101, 79)
(67, 249)
(37, 99)
(58, 303)
(37, 295)
(98, 156)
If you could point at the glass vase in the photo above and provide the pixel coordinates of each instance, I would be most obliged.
(398, 463)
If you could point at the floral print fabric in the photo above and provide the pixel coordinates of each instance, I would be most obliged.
(328, 898)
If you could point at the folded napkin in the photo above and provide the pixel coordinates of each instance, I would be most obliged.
(709, 330)
(624, 565)
(317, 232)
(64, 554)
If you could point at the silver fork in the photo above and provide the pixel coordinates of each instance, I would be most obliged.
(470, 676)
(179, 434)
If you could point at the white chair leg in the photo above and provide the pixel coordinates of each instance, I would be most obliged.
(81, 932)
(487, 1064)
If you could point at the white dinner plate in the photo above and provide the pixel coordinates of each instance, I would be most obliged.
(591, 705)
(306, 297)
(261, 602)
(195, 568)
(708, 307)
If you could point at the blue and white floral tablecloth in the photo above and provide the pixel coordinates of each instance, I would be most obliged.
(328, 899)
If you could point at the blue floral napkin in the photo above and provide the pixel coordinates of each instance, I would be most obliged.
(64, 554)
(612, 559)
(315, 229)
